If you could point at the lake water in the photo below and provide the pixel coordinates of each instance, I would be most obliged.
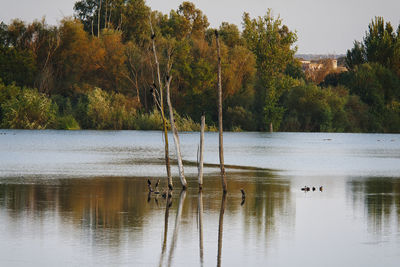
(79, 198)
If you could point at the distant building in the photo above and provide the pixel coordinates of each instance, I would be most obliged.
(308, 65)
(317, 70)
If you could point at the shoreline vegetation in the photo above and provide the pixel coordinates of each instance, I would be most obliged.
(96, 71)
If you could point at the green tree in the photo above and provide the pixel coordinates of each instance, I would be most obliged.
(381, 44)
(230, 34)
(130, 16)
(17, 66)
(355, 56)
(272, 44)
(135, 21)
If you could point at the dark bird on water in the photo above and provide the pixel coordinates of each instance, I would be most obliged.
(156, 188)
(243, 197)
(149, 185)
(305, 188)
(321, 188)
(313, 188)
(166, 193)
(243, 193)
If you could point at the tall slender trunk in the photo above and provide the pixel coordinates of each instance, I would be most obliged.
(92, 27)
(145, 99)
(105, 17)
(160, 86)
(175, 134)
(137, 89)
(98, 19)
(109, 16)
(221, 141)
(203, 122)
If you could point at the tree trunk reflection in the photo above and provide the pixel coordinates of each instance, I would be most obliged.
(200, 217)
(176, 227)
(221, 228)
(164, 245)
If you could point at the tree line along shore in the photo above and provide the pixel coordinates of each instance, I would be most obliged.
(96, 70)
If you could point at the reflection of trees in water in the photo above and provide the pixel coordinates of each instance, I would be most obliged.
(96, 204)
(268, 203)
(380, 198)
(118, 204)
(29, 198)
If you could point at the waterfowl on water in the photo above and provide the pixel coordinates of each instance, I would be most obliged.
(156, 188)
(166, 193)
(305, 188)
(149, 185)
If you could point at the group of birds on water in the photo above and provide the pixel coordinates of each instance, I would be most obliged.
(156, 191)
(168, 192)
(307, 188)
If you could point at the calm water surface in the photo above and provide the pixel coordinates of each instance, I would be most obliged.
(79, 198)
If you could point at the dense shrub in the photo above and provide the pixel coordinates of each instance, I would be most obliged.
(110, 110)
(29, 109)
(67, 122)
(332, 109)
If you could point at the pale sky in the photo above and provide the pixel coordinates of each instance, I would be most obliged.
(323, 26)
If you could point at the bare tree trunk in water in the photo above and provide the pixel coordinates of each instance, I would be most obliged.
(161, 106)
(221, 229)
(221, 143)
(175, 133)
(271, 127)
(203, 122)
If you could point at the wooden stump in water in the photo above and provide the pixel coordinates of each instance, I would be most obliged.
(203, 122)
